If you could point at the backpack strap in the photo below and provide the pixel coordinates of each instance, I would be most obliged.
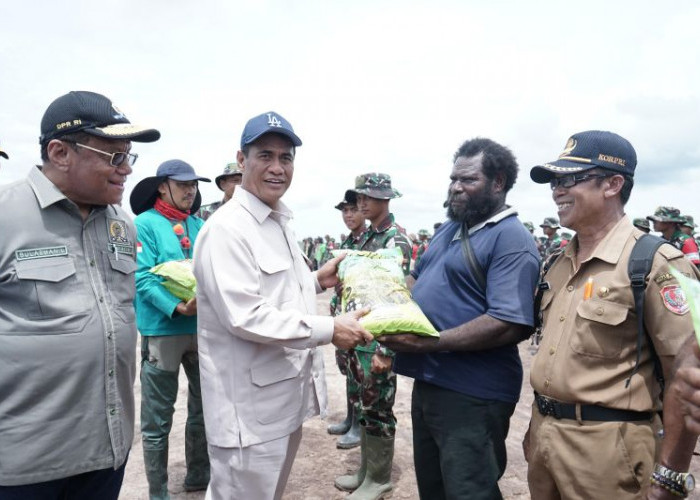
(472, 263)
(639, 267)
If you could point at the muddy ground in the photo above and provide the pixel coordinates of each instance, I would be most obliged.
(319, 461)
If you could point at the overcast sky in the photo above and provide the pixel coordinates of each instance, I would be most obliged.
(391, 86)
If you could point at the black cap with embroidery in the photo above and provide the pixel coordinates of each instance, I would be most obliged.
(92, 113)
(587, 150)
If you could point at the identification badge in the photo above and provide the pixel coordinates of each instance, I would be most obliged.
(41, 253)
(117, 232)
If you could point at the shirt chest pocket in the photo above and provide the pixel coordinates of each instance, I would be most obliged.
(51, 290)
(600, 330)
(276, 283)
(121, 278)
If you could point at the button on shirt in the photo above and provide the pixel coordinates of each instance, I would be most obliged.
(67, 334)
(588, 347)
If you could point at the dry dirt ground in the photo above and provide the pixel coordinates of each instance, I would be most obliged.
(319, 461)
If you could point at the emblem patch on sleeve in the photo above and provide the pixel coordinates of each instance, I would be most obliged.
(674, 299)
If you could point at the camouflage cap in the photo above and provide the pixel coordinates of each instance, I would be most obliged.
(689, 221)
(229, 170)
(641, 223)
(423, 232)
(666, 214)
(350, 198)
(550, 222)
(566, 235)
(375, 185)
(529, 225)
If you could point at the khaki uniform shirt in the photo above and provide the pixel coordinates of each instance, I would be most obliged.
(67, 334)
(588, 349)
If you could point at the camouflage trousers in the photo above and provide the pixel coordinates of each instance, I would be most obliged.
(373, 393)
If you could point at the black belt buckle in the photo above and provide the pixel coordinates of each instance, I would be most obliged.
(548, 407)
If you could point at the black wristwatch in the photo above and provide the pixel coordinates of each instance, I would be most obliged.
(678, 483)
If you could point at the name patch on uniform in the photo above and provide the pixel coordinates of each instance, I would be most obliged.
(125, 249)
(674, 299)
(663, 277)
(41, 253)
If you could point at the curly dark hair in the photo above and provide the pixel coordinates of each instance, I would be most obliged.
(496, 159)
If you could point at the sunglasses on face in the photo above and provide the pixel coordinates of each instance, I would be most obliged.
(569, 181)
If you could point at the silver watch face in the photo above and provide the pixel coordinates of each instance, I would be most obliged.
(689, 482)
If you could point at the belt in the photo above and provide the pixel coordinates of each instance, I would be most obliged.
(558, 410)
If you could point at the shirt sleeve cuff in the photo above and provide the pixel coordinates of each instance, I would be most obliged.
(321, 329)
(319, 288)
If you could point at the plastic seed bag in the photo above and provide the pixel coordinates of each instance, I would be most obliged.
(179, 278)
(375, 280)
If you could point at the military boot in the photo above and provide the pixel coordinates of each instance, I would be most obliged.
(351, 482)
(196, 458)
(377, 483)
(344, 426)
(156, 464)
(351, 438)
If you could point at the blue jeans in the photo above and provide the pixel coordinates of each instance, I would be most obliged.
(459, 448)
(103, 484)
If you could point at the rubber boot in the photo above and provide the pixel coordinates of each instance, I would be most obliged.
(196, 458)
(352, 437)
(351, 482)
(344, 426)
(377, 483)
(156, 465)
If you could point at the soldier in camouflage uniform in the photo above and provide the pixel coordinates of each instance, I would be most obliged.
(531, 227)
(350, 427)
(688, 227)
(227, 182)
(553, 243)
(642, 225)
(424, 238)
(668, 221)
(372, 365)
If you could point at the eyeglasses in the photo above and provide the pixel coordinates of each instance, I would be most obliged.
(569, 181)
(115, 159)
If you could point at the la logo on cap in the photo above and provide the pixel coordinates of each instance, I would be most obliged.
(273, 121)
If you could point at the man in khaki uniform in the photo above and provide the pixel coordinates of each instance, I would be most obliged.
(593, 432)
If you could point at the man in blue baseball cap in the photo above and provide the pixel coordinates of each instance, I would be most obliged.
(595, 424)
(262, 375)
(167, 230)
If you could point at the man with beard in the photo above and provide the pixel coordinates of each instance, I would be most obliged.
(467, 382)
(166, 232)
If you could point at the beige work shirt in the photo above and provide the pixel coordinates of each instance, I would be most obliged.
(588, 347)
(257, 328)
(67, 334)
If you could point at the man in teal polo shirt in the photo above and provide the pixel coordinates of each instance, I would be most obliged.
(166, 232)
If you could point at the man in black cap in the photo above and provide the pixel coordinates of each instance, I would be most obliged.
(349, 427)
(258, 330)
(167, 231)
(68, 341)
(594, 426)
(226, 182)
